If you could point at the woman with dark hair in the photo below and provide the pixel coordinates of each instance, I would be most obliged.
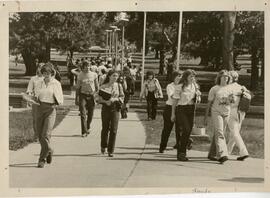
(49, 95)
(186, 95)
(168, 124)
(220, 98)
(111, 96)
(151, 91)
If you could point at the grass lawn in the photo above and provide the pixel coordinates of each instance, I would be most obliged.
(21, 131)
(252, 133)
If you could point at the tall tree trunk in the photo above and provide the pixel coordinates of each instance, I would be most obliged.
(228, 38)
(162, 61)
(204, 59)
(29, 62)
(156, 53)
(48, 50)
(254, 68)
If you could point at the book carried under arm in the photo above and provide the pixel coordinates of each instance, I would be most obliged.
(29, 98)
(104, 94)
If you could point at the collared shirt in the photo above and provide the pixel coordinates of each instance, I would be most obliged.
(170, 92)
(222, 97)
(88, 82)
(185, 96)
(32, 87)
(50, 93)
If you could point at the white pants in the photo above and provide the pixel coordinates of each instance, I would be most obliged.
(218, 146)
(234, 127)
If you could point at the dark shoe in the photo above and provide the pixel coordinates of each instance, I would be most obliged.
(242, 158)
(88, 131)
(175, 146)
(161, 150)
(110, 154)
(182, 158)
(212, 158)
(223, 159)
(84, 135)
(49, 157)
(41, 164)
(189, 144)
(103, 150)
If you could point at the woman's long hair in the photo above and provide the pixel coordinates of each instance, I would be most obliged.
(107, 79)
(184, 79)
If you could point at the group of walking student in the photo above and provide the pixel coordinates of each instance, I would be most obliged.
(113, 92)
(227, 114)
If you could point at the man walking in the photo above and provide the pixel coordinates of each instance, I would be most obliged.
(87, 86)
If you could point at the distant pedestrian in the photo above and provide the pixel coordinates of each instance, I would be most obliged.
(32, 90)
(220, 98)
(87, 87)
(186, 96)
(151, 91)
(236, 118)
(111, 96)
(49, 95)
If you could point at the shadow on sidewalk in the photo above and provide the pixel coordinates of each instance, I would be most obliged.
(244, 179)
(24, 165)
(144, 159)
(66, 136)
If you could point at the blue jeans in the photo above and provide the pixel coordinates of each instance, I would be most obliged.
(86, 106)
(110, 119)
(46, 115)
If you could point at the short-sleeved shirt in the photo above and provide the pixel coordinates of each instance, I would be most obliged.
(222, 97)
(170, 92)
(237, 91)
(32, 87)
(87, 82)
(185, 96)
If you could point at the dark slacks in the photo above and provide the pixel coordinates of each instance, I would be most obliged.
(86, 106)
(184, 119)
(34, 115)
(46, 115)
(151, 105)
(167, 128)
(110, 119)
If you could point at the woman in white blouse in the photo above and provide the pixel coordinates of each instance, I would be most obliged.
(186, 95)
(49, 95)
(151, 91)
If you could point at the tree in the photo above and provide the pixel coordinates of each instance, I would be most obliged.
(33, 34)
(228, 39)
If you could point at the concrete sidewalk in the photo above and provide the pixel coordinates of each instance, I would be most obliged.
(77, 162)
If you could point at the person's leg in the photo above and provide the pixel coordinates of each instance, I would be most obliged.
(90, 108)
(234, 126)
(154, 108)
(82, 107)
(219, 125)
(48, 124)
(149, 104)
(34, 115)
(167, 127)
(113, 131)
(186, 117)
(105, 118)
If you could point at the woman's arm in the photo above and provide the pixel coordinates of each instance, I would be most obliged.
(175, 101)
(159, 89)
(208, 107)
(142, 94)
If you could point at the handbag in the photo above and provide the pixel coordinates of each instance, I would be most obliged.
(245, 100)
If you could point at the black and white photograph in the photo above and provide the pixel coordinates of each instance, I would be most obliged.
(137, 99)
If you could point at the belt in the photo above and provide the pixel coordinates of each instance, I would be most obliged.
(47, 103)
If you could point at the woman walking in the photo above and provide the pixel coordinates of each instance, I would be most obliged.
(186, 95)
(236, 118)
(168, 124)
(111, 96)
(49, 95)
(151, 91)
(219, 100)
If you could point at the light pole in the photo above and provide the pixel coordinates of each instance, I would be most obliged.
(113, 42)
(116, 45)
(123, 18)
(107, 39)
